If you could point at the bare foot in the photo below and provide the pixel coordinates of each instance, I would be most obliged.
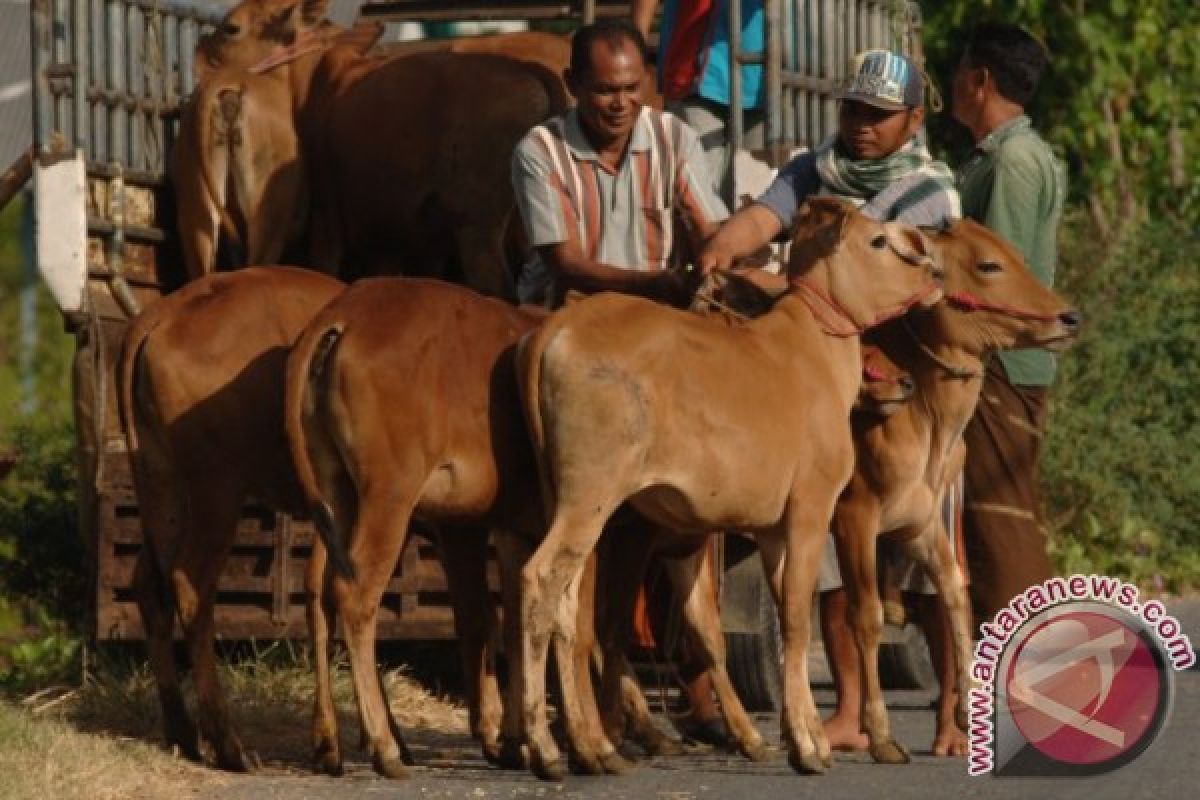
(844, 733)
(949, 739)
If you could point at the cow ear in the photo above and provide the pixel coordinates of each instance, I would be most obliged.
(205, 60)
(313, 11)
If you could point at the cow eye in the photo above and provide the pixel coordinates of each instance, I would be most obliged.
(231, 29)
(879, 242)
(989, 266)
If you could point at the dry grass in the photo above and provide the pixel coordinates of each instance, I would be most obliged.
(42, 755)
(103, 738)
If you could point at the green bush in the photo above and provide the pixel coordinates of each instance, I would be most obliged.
(44, 577)
(1121, 468)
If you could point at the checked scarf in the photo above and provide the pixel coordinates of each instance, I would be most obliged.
(859, 181)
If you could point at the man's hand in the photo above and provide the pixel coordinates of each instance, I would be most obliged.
(741, 235)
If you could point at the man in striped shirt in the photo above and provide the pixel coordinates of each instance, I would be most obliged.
(612, 194)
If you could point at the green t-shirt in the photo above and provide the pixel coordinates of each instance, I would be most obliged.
(1015, 186)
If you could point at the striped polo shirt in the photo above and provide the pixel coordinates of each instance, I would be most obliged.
(629, 218)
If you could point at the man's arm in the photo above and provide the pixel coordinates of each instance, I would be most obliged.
(742, 235)
(579, 272)
(643, 12)
(1015, 208)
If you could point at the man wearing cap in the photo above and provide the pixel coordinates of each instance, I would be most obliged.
(1014, 185)
(876, 162)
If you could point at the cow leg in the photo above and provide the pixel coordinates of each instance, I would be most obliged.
(932, 550)
(158, 619)
(549, 596)
(623, 563)
(693, 580)
(585, 645)
(855, 526)
(512, 553)
(808, 749)
(376, 542)
(204, 546)
(327, 753)
(464, 558)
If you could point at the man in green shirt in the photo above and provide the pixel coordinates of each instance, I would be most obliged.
(1014, 185)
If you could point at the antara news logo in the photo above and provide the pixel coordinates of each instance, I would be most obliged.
(1075, 677)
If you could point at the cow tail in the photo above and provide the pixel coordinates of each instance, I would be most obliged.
(220, 121)
(530, 349)
(131, 350)
(307, 371)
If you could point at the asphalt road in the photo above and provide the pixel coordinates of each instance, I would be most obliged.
(453, 768)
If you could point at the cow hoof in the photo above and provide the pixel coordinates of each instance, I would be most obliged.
(806, 764)
(827, 760)
(615, 764)
(327, 761)
(585, 763)
(232, 759)
(513, 755)
(961, 718)
(553, 770)
(393, 768)
(890, 752)
(491, 752)
(405, 754)
(755, 751)
(662, 746)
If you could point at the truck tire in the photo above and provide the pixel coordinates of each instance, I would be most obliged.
(753, 646)
(904, 660)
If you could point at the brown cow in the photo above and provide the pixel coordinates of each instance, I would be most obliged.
(202, 400)
(237, 171)
(401, 404)
(408, 156)
(905, 463)
(202, 396)
(702, 426)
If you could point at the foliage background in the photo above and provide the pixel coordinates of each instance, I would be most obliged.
(1120, 474)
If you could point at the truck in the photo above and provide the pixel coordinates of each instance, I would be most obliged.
(109, 78)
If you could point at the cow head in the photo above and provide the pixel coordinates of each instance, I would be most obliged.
(885, 387)
(864, 272)
(255, 30)
(993, 301)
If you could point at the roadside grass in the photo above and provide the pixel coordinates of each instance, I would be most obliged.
(43, 756)
(102, 738)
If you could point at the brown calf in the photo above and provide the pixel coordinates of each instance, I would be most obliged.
(905, 463)
(401, 404)
(702, 426)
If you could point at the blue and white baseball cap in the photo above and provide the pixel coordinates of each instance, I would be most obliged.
(885, 80)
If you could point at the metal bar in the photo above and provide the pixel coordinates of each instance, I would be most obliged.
(97, 79)
(135, 84)
(62, 57)
(118, 121)
(788, 97)
(776, 146)
(187, 46)
(40, 25)
(589, 12)
(79, 54)
(828, 68)
(736, 138)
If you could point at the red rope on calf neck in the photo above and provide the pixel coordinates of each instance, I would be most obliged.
(970, 302)
(808, 289)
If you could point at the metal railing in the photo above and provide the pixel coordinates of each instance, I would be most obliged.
(809, 44)
(473, 10)
(109, 75)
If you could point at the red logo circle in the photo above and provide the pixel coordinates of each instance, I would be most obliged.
(1084, 688)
